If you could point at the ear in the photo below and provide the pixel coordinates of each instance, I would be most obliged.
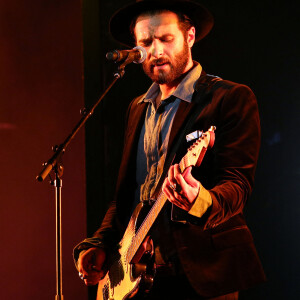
(191, 36)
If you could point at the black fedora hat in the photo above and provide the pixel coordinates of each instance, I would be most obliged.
(119, 25)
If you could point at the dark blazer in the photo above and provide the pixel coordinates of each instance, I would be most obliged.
(216, 251)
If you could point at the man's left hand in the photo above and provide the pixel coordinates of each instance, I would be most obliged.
(181, 188)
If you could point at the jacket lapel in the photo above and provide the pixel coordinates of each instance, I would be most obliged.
(136, 120)
(183, 113)
(179, 121)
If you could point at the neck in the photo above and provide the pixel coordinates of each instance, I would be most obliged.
(166, 90)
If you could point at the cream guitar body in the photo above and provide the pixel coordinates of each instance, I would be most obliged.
(126, 273)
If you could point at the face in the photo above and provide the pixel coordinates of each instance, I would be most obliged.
(168, 49)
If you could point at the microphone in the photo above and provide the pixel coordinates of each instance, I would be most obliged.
(137, 55)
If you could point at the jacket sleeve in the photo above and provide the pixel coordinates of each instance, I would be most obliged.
(109, 233)
(105, 237)
(235, 153)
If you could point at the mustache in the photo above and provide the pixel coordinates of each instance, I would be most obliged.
(159, 61)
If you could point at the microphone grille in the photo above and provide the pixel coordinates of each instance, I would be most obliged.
(143, 54)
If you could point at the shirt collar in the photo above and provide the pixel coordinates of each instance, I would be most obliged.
(184, 90)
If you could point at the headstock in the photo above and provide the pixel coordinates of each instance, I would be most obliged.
(196, 152)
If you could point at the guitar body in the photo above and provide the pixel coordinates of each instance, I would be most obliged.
(124, 278)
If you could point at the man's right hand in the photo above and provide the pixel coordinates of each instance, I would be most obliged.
(90, 265)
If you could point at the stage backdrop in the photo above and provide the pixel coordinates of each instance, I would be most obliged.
(41, 93)
(252, 42)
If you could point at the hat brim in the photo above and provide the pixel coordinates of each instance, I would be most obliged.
(120, 22)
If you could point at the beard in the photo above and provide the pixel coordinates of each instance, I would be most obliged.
(176, 66)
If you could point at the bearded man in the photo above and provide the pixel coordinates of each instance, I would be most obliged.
(201, 245)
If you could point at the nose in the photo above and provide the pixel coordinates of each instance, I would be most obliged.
(156, 49)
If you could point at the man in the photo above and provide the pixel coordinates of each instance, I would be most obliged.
(202, 245)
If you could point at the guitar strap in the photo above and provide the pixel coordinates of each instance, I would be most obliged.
(205, 87)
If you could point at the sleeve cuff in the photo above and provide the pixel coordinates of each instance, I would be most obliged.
(85, 245)
(202, 203)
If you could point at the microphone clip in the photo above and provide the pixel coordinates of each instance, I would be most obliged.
(136, 55)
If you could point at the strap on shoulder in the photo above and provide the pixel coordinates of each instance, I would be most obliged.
(206, 82)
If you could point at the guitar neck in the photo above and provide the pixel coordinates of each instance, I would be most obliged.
(151, 217)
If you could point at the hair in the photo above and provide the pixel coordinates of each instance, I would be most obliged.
(184, 22)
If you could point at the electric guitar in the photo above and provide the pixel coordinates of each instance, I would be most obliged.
(124, 277)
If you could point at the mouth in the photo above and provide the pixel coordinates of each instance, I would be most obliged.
(159, 65)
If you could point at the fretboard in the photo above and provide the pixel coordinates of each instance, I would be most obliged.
(151, 216)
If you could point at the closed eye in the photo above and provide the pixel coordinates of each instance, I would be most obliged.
(167, 38)
(145, 43)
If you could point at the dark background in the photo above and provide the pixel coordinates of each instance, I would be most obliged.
(52, 59)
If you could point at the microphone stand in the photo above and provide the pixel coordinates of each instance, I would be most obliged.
(55, 164)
